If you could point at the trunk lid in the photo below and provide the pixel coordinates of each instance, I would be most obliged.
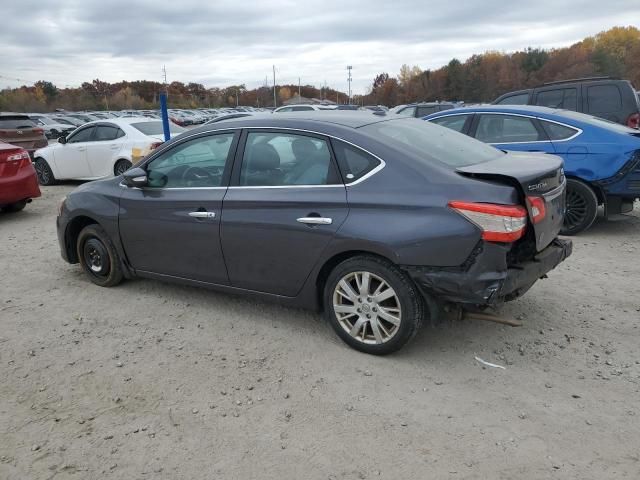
(540, 179)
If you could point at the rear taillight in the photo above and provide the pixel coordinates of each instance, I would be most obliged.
(634, 121)
(39, 131)
(14, 156)
(499, 223)
(155, 145)
(538, 210)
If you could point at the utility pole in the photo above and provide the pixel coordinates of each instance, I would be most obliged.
(237, 97)
(349, 67)
(275, 102)
(299, 95)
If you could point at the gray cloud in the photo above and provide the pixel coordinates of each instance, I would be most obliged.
(224, 42)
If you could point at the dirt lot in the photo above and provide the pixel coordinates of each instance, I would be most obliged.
(150, 380)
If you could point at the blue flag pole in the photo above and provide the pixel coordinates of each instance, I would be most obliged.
(165, 115)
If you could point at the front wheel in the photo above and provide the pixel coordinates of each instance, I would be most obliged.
(98, 257)
(372, 305)
(582, 207)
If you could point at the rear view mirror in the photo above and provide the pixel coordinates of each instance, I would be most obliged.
(136, 177)
(62, 140)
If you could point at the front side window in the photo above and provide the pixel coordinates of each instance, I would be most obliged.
(506, 129)
(197, 163)
(519, 99)
(301, 109)
(282, 159)
(83, 135)
(454, 122)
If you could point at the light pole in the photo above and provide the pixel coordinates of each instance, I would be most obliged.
(349, 67)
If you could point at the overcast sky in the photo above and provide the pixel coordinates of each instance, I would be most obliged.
(222, 42)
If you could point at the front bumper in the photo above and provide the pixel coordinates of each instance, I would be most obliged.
(488, 279)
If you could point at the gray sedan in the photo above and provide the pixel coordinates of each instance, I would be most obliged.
(378, 221)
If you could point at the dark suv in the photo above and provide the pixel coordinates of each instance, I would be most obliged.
(420, 110)
(604, 97)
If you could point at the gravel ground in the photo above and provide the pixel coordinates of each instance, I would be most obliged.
(151, 380)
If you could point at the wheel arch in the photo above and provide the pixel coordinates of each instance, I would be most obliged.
(600, 195)
(335, 260)
(72, 232)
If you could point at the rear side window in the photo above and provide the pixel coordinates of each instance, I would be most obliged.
(283, 159)
(520, 99)
(555, 131)
(354, 163)
(454, 122)
(106, 133)
(15, 122)
(603, 98)
(561, 98)
(506, 129)
(155, 128)
(301, 109)
(409, 111)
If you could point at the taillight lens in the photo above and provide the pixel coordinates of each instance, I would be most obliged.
(155, 145)
(499, 223)
(15, 156)
(538, 210)
(39, 131)
(634, 120)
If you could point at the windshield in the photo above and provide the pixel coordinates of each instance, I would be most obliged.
(155, 128)
(431, 141)
(598, 122)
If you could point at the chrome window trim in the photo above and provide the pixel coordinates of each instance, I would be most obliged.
(577, 129)
(380, 166)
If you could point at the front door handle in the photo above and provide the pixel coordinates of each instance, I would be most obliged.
(315, 220)
(202, 214)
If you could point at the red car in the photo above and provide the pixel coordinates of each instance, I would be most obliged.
(18, 179)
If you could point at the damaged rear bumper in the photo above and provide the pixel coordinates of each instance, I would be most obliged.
(489, 280)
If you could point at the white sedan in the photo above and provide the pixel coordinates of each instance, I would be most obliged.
(99, 149)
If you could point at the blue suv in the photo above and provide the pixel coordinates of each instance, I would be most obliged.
(601, 158)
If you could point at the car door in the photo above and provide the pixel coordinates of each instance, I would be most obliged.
(285, 205)
(511, 132)
(71, 157)
(107, 141)
(172, 226)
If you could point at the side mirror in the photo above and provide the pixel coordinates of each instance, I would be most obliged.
(136, 177)
(62, 140)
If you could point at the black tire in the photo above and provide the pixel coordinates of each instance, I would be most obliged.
(43, 171)
(14, 207)
(121, 166)
(407, 297)
(582, 207)
(98, 257)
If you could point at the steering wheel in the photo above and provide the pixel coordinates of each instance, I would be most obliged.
(196, 175)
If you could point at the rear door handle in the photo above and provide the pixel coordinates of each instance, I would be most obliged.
(315, 220)
(202, 214)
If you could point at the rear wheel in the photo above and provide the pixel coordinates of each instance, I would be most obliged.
(372, 305)
(43, 171)
(582, 207)
(121, 166)
(14, 207)
(98, 256)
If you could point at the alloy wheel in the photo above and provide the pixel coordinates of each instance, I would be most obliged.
(122, 167)
(367, 307)
(576, 211)
(43, 172)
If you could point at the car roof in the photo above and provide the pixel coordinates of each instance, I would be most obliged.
(517, 109)
(343, 118)
(121, 121)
